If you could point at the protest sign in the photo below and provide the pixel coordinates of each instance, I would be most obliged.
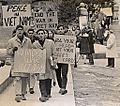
(65, 48)
(14, 15)
(30, 61)
(45, 20)
(107, 11)
(99, 48)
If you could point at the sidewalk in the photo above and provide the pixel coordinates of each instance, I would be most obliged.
(8, 96)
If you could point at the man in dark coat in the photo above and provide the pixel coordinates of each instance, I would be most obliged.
(100, 34)
(91, 46)
(87, 44)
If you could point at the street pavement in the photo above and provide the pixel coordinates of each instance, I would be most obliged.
(96, 85)
(8, 96)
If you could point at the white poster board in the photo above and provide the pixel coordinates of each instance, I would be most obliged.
(14, 15)
(30, 61)
(65, 48)
(45, 20)
(99, 48)
(107, 11)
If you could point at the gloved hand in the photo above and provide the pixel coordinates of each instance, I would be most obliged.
(54, 83)
(15, 49)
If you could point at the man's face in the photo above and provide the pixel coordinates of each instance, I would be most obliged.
(40, 35)
(46, 34)
(36, 8)
(19, 32)
(60, 30)
(77, 31)
(30, 34)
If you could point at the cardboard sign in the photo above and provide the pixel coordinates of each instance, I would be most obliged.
(14, 15)
(107, 11)
(30, 61)
(65, 48)
(99, 48)
(45, 20)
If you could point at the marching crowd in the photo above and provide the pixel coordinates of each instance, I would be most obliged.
(95, 31)
(41, 39)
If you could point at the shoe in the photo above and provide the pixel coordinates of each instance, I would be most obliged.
(49, 96)
(43, 99)
(31, 91)
(91, 63)
(63, 92)
(18, 98)
(107, 65)
(23, 97)
(111, 66)
(60, 90)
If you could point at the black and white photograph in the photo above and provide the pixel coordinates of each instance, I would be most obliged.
(59, 52)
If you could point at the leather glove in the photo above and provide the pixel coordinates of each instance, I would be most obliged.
(15, 49)
(54, 83)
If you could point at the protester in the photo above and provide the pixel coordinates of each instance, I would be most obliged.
(84, 44)
(51, 35)
(32, 77)
(91, 46)
(111, 49)
(15, 43)
(31, 35)
(62, 70)
(107, 22)
(45, 80)
(46, 33)
(100, 34)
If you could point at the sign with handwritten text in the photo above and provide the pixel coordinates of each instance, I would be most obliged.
(14, 15)
(45, 20)
(65, 48)
(30, 61)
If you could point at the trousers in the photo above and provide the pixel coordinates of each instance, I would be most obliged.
(45, 87)
(111, 62)
(61, 74)
(20, 85)
(31, 80)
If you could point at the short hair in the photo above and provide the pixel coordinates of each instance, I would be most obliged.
(66, 26)
(30, 30)
(46, 31)
(60, 26)
(40, 30)
(19, 26)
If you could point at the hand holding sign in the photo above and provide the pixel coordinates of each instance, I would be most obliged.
(15, 49)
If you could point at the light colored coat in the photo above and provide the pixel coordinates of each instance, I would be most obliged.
(49, 46)
(15, 42)
(111, 47)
